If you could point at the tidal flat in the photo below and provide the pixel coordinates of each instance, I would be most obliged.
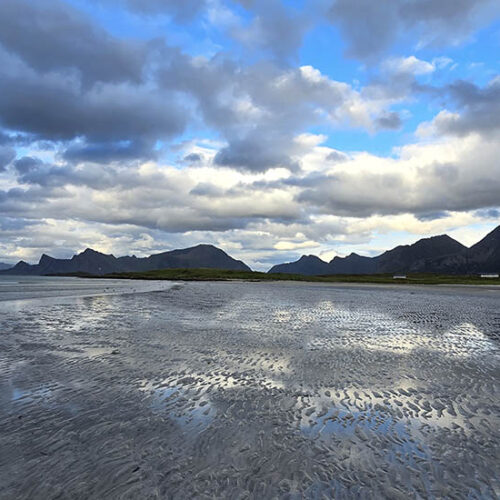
(118, 389)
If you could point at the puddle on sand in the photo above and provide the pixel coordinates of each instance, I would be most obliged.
(185, 407)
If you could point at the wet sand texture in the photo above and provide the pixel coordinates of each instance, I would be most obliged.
(252, 390)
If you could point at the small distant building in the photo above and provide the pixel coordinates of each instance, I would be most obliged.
(489, 275)
(399, 277)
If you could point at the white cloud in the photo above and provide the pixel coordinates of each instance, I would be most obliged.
(411, 65)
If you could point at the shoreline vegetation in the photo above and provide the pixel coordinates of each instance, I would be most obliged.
(223, 275)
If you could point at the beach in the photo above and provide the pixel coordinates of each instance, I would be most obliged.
(121, 389)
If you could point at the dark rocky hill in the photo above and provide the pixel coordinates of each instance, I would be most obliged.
(415, 258)
(92, 262)
(438, 254)
(309, 265)
(352, 264)
(484, 256)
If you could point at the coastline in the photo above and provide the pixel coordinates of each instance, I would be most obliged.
(253, 276)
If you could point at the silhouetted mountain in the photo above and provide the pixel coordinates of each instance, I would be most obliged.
(438, 254)
(352, 264)
(206, 256)
(4, 266)
(416, 257)
(484, 256)
(309, 265)
(92, 262)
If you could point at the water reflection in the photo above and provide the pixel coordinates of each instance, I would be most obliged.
(252, 389)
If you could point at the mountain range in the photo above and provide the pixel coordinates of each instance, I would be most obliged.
(92, 262)
(438, 254)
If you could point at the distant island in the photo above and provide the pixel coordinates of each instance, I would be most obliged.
(438, 256)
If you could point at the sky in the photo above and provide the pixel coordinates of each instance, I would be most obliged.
(269, 128)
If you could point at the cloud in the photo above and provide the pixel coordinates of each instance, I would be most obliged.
(256, 153)
(407, 65)
(49, 35)
(193, 158)
(444, 175)
(87, 117)
(275, 28)
(54, 107)
(336, 157)
(181, 10)
(261, 108)
(105, 99)
(370, 28)
(477, 110)
(422, 179)
(389, 120)
(108, 152)
(480, 108)
(7, 154)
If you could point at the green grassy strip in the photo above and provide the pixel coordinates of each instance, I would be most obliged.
(222, 275)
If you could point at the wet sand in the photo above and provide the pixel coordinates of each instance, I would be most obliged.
(249, 390)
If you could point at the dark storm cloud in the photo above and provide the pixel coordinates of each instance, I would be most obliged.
(370, 27)
(53, 107)
(50, 35)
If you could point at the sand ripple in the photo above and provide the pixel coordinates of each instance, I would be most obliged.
(252, 390)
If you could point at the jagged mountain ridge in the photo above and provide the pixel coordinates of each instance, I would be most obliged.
(93, 262)
(438, 254)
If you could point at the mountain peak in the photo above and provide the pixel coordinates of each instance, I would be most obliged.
(45, 258)
(492, 236)
(314, 258)
(90, 251)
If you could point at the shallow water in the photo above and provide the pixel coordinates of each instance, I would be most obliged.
(248, 390)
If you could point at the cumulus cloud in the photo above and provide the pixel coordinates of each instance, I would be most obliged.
(275, 28)
(53, 106)
(370, 28)
(87, 118)
(424, 179)
(260, 109)
(49, 35)
(480, 108)
(443, 175)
